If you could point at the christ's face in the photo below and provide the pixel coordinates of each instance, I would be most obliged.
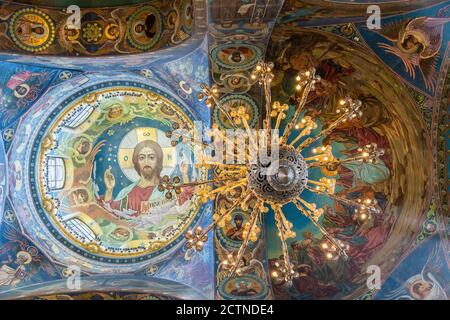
(147, 162)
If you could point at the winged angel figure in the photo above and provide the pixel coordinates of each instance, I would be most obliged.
(426, 285)
(417, 43)
(18, 260)
(248, 264)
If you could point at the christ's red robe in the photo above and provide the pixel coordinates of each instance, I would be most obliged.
(133, 201)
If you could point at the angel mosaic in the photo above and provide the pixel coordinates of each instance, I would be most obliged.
(429, 284)
(417, 43)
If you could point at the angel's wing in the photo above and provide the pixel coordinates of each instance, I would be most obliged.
(428, 68)
(407, 59)
(259, 251)
(10, 233)
(221, 252)
(8, 247)
(392, 30)
(433, 264)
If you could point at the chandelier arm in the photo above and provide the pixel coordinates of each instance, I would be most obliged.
(243, 199)
(192, 140)
(230, 165)
(321, 228)
(342, 199)
(317, 183)
(284, 248)
(238, 183)
(229, 156)
(197, 238)
(279, 118)
(325, 131)
(249, 133)
(254, 219)
(268, 99)
(301, 104)
(328, 156)
(316, 164)
(226, 113)
(356, 158)
(211, 93)
(306, 131)
(199, 183)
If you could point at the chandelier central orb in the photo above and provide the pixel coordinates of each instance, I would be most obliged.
(280, 181)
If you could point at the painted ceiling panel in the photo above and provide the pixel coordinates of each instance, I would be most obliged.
(123, 37)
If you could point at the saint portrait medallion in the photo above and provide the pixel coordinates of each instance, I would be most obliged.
(32, 30)
(236, 56)
(144, 28)
(233, 102)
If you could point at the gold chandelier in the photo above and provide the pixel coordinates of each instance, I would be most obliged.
(256, 190)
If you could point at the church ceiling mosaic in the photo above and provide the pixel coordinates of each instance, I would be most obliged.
(128, 35)
(292, 48)
(103, 31)
(93, 147)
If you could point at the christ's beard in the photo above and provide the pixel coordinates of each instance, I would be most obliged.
(148, 173)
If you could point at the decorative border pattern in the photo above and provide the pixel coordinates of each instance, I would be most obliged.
(103, 32)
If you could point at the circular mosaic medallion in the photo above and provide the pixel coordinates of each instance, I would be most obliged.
(230, 234)
(236, 56)
(144, 28)
(187, 16)
(248, 287)
(92, 32)
(32, 30)
(96, 166)
(234, 101)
